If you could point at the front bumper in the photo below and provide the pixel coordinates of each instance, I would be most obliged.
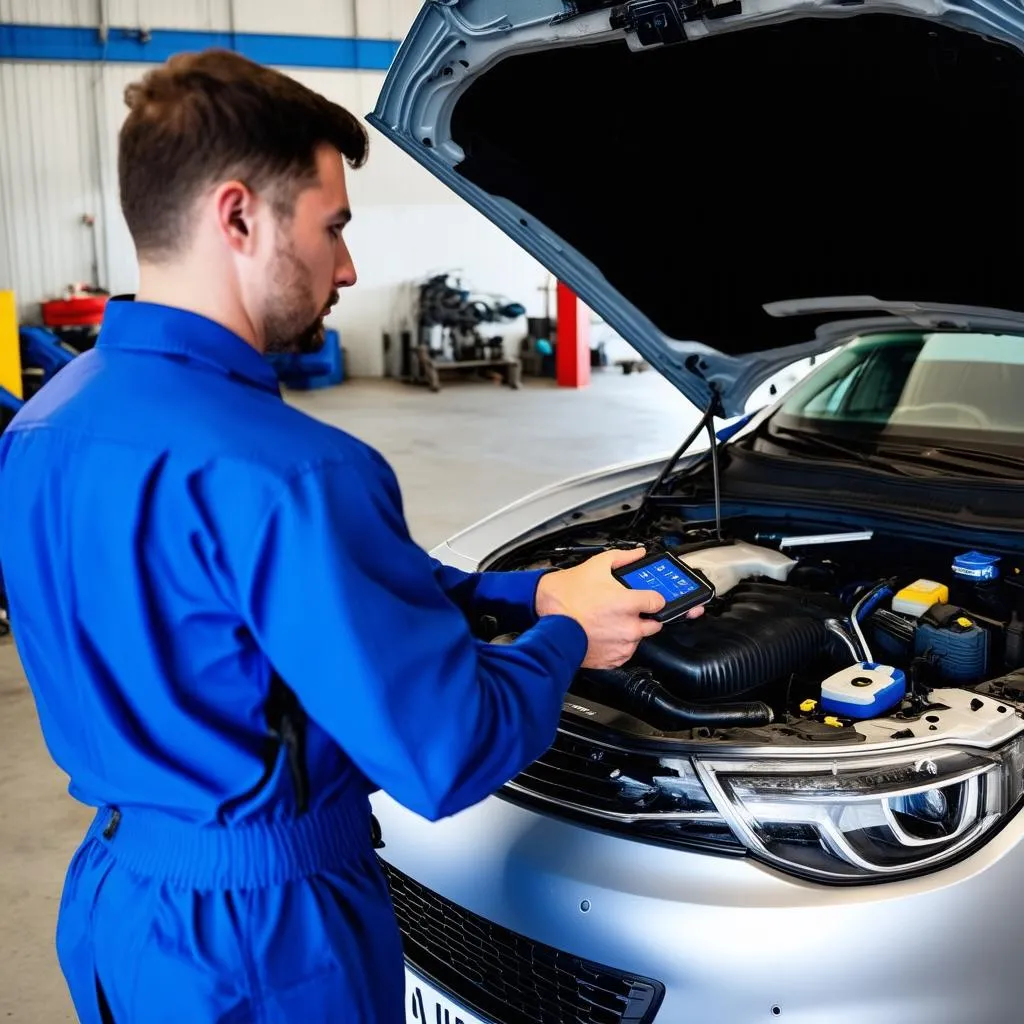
(730, 940)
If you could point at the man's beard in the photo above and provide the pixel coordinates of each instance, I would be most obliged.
(287, 326)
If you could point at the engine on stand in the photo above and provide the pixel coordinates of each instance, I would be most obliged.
(450, 318)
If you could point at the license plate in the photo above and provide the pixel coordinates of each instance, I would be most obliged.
(425, 1004)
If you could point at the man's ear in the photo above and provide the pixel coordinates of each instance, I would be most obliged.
(236, 215)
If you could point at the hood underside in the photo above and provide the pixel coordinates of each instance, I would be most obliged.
(680, 188)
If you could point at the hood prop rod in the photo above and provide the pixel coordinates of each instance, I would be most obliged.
(713, 445)
(706, 422)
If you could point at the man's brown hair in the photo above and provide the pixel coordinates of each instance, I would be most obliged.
(206, 117)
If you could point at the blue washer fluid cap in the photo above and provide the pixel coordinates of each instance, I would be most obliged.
(973, 565)
(863, 690)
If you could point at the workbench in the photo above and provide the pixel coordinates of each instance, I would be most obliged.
(431, 368)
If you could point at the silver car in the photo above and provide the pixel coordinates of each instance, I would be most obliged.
(805, 804)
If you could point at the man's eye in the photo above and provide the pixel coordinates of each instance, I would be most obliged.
(334, 231)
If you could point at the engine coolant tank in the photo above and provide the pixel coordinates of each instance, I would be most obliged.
(726, 564)
(917, 598)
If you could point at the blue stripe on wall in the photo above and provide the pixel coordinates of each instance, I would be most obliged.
(64, 43)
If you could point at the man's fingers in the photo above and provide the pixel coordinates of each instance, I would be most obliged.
(651, 601)
(637, 602)
(648, 627)
(619, 556)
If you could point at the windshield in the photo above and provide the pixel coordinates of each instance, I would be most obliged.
(916, 385)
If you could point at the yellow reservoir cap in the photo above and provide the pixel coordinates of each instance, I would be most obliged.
(919, 597)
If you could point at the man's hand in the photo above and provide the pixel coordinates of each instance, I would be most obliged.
(607, 611)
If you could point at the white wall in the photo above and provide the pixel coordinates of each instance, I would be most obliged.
(373, 19)
(405, 226)
(49, 171)
(58, 161)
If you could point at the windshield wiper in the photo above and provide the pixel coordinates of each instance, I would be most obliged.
(823, 444)
(978, 461)
(889, 454)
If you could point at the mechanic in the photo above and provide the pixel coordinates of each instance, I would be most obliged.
(230, 636)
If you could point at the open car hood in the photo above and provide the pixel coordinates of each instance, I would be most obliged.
(684, 164)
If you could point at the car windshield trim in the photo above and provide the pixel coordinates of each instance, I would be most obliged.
(929, 315)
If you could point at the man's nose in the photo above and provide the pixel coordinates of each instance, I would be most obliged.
(344, 269)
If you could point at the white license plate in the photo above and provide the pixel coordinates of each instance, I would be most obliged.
(425, 1004)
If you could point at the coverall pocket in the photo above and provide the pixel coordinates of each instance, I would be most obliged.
(184, 963)
(334, 954)
(76, 952)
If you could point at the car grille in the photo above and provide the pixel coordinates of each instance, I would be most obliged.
(617, 791)
(507, 977)
(574, 771)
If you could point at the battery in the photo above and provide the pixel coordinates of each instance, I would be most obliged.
(959, 646)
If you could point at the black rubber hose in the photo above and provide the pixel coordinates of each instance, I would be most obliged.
(647, 693)
(642, 693)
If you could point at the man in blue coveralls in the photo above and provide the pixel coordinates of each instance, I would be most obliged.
(230, 636)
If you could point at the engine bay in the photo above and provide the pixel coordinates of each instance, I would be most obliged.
(813, 635)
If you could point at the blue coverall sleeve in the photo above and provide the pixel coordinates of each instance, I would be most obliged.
(510, 597)
(352, 615)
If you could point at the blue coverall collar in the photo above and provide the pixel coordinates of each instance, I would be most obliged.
(168, 330)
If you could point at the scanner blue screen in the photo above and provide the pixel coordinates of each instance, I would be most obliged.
(669, 580)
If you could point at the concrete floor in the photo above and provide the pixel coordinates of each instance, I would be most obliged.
(459, 455)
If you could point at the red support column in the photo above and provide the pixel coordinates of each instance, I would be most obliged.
(572, 356)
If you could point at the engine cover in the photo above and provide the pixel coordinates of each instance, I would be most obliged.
(757, 633)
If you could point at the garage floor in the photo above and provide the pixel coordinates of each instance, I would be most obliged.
(459, 455)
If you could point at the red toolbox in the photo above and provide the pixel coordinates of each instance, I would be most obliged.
(76, 311)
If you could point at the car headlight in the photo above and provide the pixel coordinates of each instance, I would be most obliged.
(837, 819)
(855, 821)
